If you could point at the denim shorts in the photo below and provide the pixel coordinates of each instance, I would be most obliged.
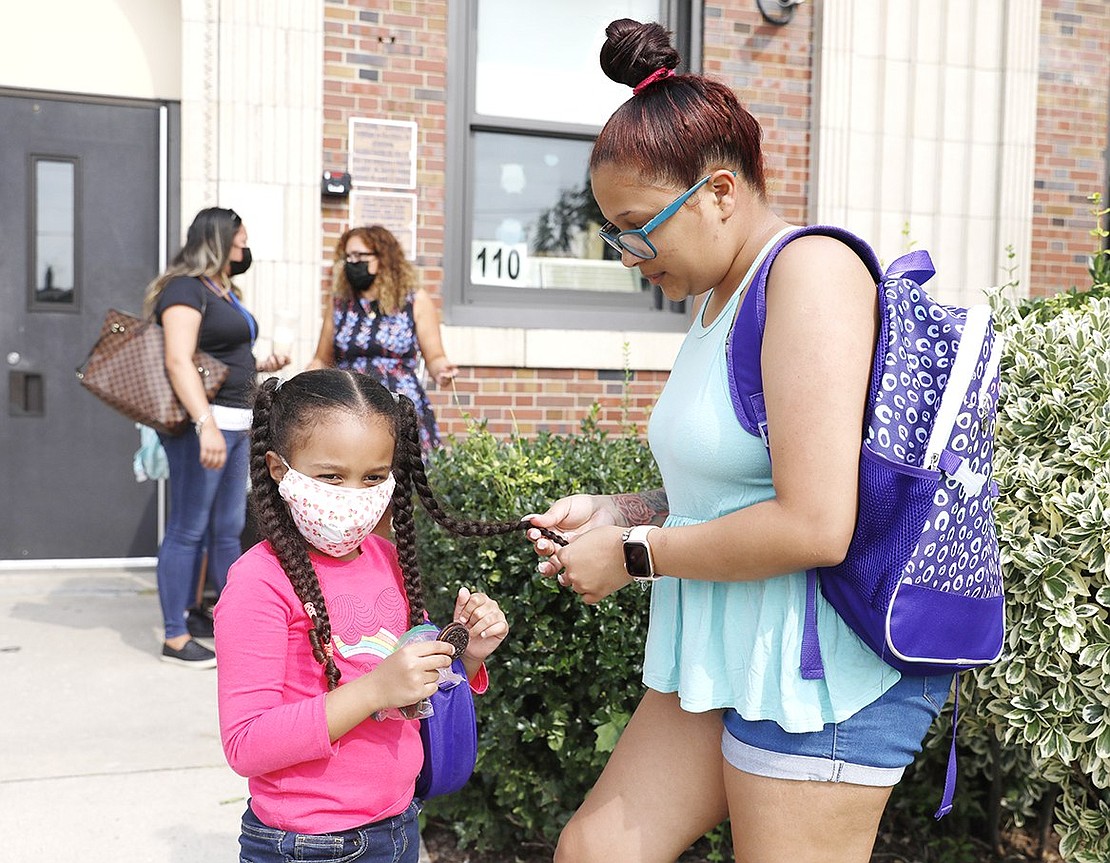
(872, 747)
(392, 840)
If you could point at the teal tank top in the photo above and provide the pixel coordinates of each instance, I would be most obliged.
(737, 644)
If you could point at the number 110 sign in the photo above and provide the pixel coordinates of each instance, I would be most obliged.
(493, 263)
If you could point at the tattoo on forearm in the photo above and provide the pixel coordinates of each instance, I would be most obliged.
(645, 507)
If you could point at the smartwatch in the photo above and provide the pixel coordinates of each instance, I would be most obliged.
(638, 561)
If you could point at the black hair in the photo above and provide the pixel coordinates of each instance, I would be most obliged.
(206, 252)
(213, 227)
(284, 414)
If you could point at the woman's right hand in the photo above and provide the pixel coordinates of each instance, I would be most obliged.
(410, 674)
(213, 447)
(571, 517)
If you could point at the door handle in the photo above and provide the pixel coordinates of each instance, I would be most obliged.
(25, 394)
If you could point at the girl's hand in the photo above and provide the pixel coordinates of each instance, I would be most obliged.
(593, 565)
(570, 516)
(410, 674)
(486, 623)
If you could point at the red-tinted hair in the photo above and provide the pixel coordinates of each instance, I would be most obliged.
(677, 129)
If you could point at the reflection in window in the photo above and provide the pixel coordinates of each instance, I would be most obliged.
(535, 218)
(54, 231)
(536, 100)
(542, 64)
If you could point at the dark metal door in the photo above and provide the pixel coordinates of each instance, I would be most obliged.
(82, 189)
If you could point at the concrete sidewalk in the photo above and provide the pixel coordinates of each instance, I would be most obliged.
(106, 753)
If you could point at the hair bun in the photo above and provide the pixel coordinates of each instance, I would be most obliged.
(632, 51)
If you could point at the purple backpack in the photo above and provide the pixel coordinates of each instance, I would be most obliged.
(921, 583)
(450, 740)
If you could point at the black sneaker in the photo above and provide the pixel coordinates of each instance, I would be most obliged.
(199, 622)
(193, 654)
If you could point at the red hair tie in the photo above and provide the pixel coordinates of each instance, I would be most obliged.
(657, 75)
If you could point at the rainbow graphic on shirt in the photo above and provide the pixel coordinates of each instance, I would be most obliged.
(380, 644)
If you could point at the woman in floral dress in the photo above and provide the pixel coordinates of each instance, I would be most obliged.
(381, 322)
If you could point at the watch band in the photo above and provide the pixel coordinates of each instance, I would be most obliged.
(639, 531)
(637, 536)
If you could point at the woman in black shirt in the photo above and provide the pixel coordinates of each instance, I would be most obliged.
(198, 307)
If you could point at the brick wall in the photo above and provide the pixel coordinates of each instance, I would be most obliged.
(1072, 123)
(527, 401)
(771, 70)
(386, 59)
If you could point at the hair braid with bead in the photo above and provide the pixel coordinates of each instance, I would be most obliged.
(404, 532)
(409, 473)
(409, 457)
(285, 412)
(276, 525)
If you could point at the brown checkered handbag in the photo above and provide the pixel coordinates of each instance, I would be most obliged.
(126, 369)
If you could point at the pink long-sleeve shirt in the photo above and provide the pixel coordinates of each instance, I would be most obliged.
(271, 691)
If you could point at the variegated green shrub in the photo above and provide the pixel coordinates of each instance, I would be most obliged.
(1048, 700)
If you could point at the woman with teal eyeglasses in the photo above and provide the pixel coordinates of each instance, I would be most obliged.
(729, 727)
(635, 240)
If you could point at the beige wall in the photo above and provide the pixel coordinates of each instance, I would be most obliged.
(926, 124)
(129, 48)
(251, 115)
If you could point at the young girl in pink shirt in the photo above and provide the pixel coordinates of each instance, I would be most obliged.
(307, 626)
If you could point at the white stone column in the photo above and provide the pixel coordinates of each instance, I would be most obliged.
(251, 118)
(924, 131)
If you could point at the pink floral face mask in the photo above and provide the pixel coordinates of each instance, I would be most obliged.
(333, 519)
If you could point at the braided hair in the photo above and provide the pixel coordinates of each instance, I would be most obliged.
(284, 415)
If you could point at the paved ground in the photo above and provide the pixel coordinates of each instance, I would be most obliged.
(106, 753)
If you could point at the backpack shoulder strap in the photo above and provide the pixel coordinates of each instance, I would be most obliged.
(745, 346)
(745, 378)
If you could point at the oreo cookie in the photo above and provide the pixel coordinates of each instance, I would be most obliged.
(457, 635)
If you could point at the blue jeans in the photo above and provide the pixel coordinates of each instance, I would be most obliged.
(202, 503)
(393, 840)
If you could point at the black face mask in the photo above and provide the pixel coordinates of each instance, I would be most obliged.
(359, 276)
(240, 267)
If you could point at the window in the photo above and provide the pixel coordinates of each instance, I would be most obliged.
(523, 236)
(53, 275)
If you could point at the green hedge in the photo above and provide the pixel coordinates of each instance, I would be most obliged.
(567, 679)
(1048, 702)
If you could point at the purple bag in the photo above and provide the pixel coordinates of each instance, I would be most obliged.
(450, 738)
(921, 583)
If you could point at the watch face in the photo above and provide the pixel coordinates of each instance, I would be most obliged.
(636, 559)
